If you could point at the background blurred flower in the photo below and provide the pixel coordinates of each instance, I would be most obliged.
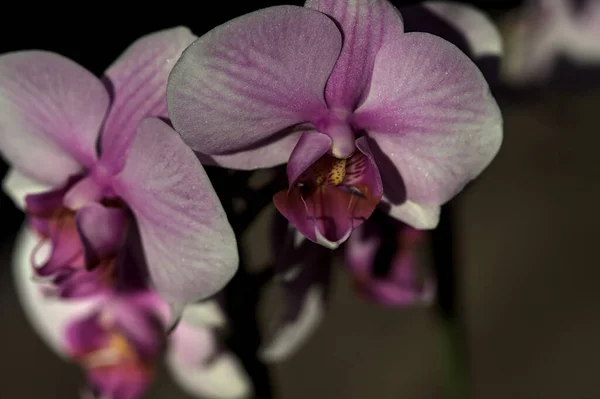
(111, 337)
(382, 255)
(542, 32)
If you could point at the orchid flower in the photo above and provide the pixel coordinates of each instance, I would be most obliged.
(362, 112)
(382, 256)
(542, 31)
(118, 340)
(93, 170)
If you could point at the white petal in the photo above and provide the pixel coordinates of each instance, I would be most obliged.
(17, 186)
(190, 364)
(479, 30)
(296, 332)
(204, 314)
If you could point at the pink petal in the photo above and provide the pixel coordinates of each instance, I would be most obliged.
(49, 316)
(365, 24)
(248, 79)
(138, 84)
(431, 113)
(311, 146)
(190, 247)
(102, 232)
(51, 110)
(361, 249)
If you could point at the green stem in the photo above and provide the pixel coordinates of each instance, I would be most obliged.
(455, 376)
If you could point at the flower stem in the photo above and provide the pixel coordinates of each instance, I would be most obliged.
(453, 347)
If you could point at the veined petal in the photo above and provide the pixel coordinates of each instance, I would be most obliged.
(248, 79)
(138, 84)
(51, 111)
(365, 24)
(17, 186)
(195, 362)
(102, 232)
(431, 113)
(304, 272)
(189, 245)
(48, 316)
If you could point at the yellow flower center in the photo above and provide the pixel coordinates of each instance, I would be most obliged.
(327, 171)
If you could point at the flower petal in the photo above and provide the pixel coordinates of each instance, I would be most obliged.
(463, 25)
(248, 79)
(311, 146)
(194, 363)
(189, 245)
(365, 24)
(102, 232)
(17, 186)
(304, 272)
(204, 314)
(48, 316)
(423, 217)
(431, 113)
(51, 111)
(138, 84)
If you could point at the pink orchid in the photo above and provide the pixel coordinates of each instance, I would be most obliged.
(105, 173)
(362, 111)
(382, 256)
(120, 339)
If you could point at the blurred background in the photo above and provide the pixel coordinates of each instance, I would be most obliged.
(526, 238)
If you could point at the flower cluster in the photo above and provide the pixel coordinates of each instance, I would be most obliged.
(380, 115)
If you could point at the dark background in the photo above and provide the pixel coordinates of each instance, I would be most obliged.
(526, 232)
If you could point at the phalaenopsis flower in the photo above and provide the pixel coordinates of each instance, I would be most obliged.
(119, 339)
(362, 111)
(121, 207)
(382, 255)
